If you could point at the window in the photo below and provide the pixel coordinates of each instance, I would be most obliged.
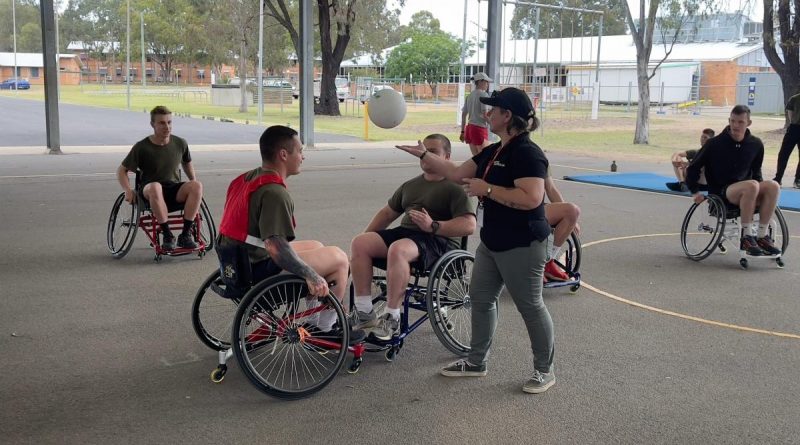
(119, 71)
(201, 74)
(34, 72)
(148, 72)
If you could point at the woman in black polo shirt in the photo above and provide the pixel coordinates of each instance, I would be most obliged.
(508, 179)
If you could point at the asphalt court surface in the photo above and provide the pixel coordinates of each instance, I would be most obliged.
(99, 350)
(23, 124)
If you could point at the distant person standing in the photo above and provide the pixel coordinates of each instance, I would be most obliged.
(790, 140)
(475, 132)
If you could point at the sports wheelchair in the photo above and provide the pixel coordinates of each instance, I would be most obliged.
(443, 299)
(569, 262)
(708, 225)
(125, 218)
(271, 331)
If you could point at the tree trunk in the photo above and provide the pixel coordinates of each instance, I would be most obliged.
(642, 135)
(243, 76)
(328, 98)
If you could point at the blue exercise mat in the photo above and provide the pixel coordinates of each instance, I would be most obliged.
(652, 182)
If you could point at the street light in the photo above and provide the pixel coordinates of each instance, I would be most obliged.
(14, 25)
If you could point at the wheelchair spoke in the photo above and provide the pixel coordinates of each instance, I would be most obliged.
(278, 344)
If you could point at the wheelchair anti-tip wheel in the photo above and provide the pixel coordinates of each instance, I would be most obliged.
(449, 305)
(212, 314)
(122, 226)
(276, 341)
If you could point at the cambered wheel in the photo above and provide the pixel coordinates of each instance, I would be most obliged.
(212, 314)
(276, 342)
(122, 227)
(702, 228)
(449, 305)
(743, 263)
(207, 231)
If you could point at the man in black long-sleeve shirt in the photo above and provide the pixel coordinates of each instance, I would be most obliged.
(732, 163)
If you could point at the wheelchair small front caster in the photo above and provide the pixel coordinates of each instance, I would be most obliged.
(218, 374)
(355, 365)
(157, 258)
(391, 353)
(779, 260)
(743, 263)
(574, 288)
(722, 249)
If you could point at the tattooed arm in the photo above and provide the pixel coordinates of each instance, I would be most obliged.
(285, 257)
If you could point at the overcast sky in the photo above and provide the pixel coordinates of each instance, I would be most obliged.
(451, 12)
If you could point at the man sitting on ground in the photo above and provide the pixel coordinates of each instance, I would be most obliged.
(259, 216)
(158, 157)
(732, 163)
(436, 212)
(681, 160)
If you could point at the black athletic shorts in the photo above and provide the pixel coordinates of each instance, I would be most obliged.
(170, 192)
(431, 247)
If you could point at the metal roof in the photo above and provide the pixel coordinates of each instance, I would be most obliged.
(617, 49)
(27, 59)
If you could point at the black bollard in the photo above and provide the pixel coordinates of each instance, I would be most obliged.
(613, 166)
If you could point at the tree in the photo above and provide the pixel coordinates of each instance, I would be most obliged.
(337, 24)
(27, 14)
(558, 24)
(421, 22)
(674, 14)
(428, 57)
(787, 64)
(98, 24)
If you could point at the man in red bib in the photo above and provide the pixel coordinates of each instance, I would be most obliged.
(259, 218)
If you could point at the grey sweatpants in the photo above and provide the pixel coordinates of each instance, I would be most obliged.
(521, 270)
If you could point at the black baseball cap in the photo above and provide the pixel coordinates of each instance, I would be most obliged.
(512, 99)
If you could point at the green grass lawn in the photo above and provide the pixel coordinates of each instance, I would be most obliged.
(564, 129)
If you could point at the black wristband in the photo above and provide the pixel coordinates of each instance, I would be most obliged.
(423, 154)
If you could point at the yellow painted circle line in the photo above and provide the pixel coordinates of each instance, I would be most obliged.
(672, 313)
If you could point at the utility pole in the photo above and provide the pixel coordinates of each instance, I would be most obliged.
(14, 25)
(128, 57)
(144, 70)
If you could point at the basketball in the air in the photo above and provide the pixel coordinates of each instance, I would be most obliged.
(387, 108)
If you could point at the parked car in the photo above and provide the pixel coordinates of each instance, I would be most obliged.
(21, 84)
(375, 89)
(281, 83)
(235, 81)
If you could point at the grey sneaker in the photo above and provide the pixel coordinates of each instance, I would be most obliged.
(363, 320)
(540, 382)
(463, 368)
(387, 327)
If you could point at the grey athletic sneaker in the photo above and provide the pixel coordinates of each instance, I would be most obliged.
(387, 327)
(363, 320)
(463, 368)
(540, 382)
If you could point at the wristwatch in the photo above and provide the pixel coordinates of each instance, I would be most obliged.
(434, 227)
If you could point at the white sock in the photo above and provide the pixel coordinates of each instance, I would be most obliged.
(762, 230)
(326, 320)
(395, 313)
(556, 252)
(364, 303)
(753, 228)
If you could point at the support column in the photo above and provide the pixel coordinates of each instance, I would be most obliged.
(494, 30)
(49, 55)
(306, 59)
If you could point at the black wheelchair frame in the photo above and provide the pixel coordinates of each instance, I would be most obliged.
(713, 223)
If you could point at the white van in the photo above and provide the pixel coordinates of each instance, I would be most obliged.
(342, 88)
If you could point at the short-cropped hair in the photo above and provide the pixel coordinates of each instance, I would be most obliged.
(273, 140)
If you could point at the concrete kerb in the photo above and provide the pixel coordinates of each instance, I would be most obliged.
(78, 149)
